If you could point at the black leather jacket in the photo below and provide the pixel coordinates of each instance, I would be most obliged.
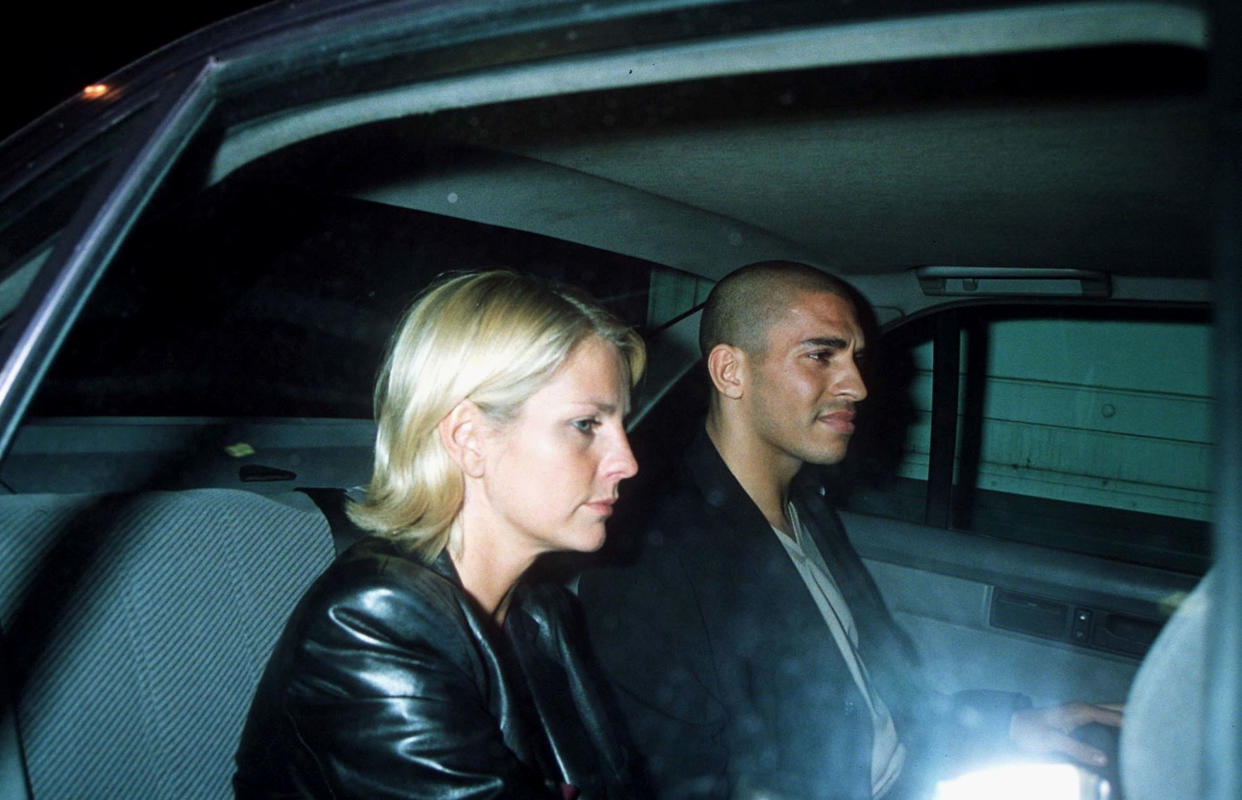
(389, 682)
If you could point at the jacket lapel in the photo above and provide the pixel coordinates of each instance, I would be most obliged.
(775, 656)
(888, 652)
(509, 697)
(563, 689)
(761, 590)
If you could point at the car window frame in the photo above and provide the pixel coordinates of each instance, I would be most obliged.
(90, 239)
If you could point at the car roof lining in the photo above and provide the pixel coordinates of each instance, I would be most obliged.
(1112, 177)
(956, 34)
(882, 192)
(1119, 187)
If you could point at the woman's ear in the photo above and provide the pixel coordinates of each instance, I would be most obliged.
(727, 367)
(461, 431)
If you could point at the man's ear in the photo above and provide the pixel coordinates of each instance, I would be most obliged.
(461, 432)
(727, 366)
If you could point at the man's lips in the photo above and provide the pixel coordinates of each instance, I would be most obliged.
(840, 421)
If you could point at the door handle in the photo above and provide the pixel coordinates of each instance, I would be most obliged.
(1126, 633)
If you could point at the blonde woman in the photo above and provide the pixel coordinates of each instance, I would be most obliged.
(419, 664)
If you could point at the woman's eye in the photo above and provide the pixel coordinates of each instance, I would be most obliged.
(586, 425)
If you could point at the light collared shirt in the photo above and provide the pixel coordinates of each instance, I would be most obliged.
(888, 754)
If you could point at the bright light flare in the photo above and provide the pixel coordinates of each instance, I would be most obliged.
(95, 91)
(1023, 782)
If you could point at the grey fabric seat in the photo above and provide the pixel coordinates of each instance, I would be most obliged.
(136, 627)
(1162, 738)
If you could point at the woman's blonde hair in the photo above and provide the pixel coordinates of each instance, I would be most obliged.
(491, 337)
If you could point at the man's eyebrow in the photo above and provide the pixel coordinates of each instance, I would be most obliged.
(833, 342)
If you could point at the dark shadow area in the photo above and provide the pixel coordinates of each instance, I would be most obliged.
(273, 301)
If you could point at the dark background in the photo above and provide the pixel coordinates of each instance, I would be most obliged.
(51, 50)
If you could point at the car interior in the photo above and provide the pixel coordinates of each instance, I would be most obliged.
(1020, 195)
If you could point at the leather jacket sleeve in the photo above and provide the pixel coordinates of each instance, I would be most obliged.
(380, 689)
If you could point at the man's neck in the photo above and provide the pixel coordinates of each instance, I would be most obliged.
(765, 475)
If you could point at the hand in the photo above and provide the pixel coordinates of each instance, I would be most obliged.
(1047, 730)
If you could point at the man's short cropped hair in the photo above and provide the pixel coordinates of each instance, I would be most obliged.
(744, 305)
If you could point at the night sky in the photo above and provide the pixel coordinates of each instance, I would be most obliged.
(54, 50)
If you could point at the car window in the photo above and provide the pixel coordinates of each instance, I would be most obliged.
(30, 220)
(39, 201)
(673, 294)
(213, 304)
(1079, 429)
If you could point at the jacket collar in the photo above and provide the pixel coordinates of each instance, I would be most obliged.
(442, 565)
(723, 494)
(726, 497)
(882, 643)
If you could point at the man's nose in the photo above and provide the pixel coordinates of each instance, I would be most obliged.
(850, 382)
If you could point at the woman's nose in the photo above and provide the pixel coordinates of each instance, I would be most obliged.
(621, 463)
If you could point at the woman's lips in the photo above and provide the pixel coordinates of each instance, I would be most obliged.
(602, 507)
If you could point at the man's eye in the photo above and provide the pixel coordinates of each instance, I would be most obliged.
(586, 424)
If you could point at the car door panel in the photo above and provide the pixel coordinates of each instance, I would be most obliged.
(991, 614)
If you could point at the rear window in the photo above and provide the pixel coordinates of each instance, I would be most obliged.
(271, 301)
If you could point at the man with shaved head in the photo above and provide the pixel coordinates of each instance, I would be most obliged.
(751, 653)
(744, 305)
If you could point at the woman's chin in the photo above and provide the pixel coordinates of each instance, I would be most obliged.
(588, 541)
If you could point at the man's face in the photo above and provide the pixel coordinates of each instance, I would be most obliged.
(803, 389)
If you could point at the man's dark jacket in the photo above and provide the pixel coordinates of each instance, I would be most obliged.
(723, 666)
